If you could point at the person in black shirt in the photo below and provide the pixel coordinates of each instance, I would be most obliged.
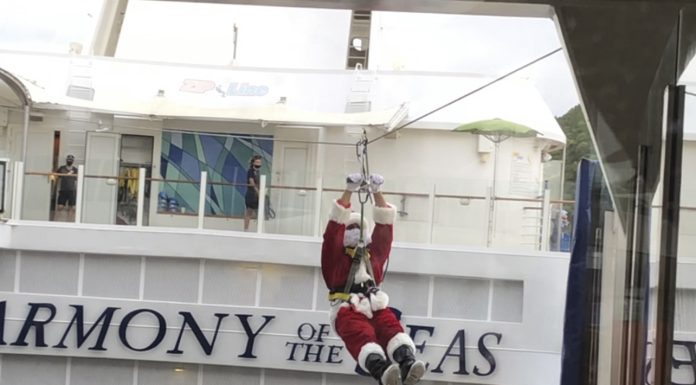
(251, 198)
(67, 184)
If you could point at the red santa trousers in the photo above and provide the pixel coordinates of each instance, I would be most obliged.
(356, 330)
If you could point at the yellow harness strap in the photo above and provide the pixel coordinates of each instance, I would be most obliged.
(351, 252)
(341, 295)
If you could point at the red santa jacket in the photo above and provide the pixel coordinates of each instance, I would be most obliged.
(336, 263)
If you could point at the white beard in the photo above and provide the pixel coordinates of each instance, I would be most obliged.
(352, 237)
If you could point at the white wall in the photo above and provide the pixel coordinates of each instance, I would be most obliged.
(413, 162)
(205, 273)
(420, 160)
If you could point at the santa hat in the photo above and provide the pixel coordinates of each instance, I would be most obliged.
(354, 219)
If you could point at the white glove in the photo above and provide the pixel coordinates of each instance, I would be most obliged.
(354, 181)
(376, 182)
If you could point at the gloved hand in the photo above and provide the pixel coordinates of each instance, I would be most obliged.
(354, 181)
(376, 182)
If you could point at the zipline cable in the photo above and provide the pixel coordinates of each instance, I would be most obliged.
(540, 58)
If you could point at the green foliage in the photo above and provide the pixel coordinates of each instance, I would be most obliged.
(578, 146)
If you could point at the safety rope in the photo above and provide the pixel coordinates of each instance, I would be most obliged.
(466, 95)
(360, 252)
(364, 194)
(363, 191)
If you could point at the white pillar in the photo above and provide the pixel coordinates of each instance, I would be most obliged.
(201, 198)
(141, 197)
(261, 212)
(546, 219)
(431, 213)
(25, 132)
(17, 188)
(490, 216)
(78, 193)
(317, 206)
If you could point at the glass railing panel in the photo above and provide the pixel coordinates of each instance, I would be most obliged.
(410, 197)
(225, 206)
(413, 215)
(39, 198)
(460, 212)
(100, 199)
(290, 210)
(329, 193)
(174, 203)
(460, 220)
(518, 224)
(127, 198)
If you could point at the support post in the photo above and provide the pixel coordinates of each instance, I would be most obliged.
(431, 213)
(141, 197)
(260, 213)
(25, 134)
(17, 190)
(546, 218)
(489, 216)
(79, 193)
(201, 198)
(317, 207)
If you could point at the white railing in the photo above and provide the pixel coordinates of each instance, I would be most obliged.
(310, 210)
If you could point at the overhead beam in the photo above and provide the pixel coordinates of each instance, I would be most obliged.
(467, 7)
(108, 30)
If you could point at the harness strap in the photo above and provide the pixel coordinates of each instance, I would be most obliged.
(339, 295)
(358, 254)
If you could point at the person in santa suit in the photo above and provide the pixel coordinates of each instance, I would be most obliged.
(360, 314)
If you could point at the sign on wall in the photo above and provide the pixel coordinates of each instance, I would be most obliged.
(226, 160)
(255, 337)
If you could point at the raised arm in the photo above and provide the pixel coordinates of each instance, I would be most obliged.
(384, 215)
(379, 200)
(383, 233)
(340, 213)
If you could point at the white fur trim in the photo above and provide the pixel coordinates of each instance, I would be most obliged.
(361, 275)
(335, 307)
(361, 304)
(364, 225)
(384, 215)
(339, 213)
(379, 300)
(366, 350)
(398, 340)
(354, 218)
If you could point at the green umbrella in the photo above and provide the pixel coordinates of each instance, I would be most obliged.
(496, 130)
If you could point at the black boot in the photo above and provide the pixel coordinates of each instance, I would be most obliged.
(382, 371)
(411, 369)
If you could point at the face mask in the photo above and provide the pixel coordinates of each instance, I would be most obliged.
(257, 166)
(352, 236)
(69, 162)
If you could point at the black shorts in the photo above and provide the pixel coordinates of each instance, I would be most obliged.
(66, 197)
(251, 200)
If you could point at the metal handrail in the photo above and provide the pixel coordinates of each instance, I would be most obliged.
(312, 188)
